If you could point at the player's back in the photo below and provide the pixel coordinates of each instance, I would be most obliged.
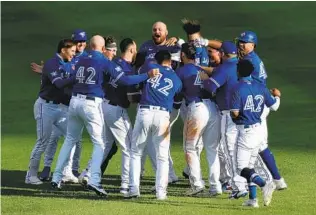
(192, 84)
(90, 75)
(160, 90)
(259, 69)
(253, 96)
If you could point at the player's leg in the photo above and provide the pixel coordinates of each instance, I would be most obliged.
(225, 167)
(109, 156)
(211, 138)
(74, 131)
(161, 142)
(183, 112)
(45, 114)
(238, 183)
(50, 154)
(266, 154)
(120, 125)
(93, 117)
(76, 159)
(139, 140)
(172, 174)
(196, 120)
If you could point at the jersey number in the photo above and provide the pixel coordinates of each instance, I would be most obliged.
(198, 79)
(262, 73)
(155, 82)
(250, 103)
(80, 75)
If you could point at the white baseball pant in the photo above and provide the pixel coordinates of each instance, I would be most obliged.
(152, 126)
(83, 113)
(46, 115)
(202, 121)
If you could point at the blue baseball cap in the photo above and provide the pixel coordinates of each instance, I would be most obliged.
(228, 47)
(79, 35)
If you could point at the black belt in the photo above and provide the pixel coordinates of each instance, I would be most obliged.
(113, 103)
(152, 107)
(86, 97)
(50, 101)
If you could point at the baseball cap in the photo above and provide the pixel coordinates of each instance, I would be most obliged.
(79, 35)
(228, 47)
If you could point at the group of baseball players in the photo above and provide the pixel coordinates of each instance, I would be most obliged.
(218, 89)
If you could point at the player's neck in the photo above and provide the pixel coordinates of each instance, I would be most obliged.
(127, 58)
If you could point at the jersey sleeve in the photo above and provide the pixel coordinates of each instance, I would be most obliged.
(52, 72)
(236, 101)
(217, 79)
(269, 99)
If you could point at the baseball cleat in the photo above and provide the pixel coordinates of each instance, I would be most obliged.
(215, 192)
(267, 192)
(161, 196)
(124, 190)
(56, 185)
(84, 178)
(70, 178)
(98, 189)
(227, 188)
(251, 203)
(185, 175)
(45, 174)
(194, 191)
(131, 195)
(173, 180)
(32, 179)
(236, 194)
(280, 184)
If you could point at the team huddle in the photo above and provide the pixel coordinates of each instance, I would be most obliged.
(218, 89)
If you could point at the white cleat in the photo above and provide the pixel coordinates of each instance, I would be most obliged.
(280, 184)
(251, 203)
(161, 195)
(84, 177)
(70, 178)
(33, 180)
(267, 192)
(194, 190)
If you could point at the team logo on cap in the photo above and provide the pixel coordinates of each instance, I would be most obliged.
(243, 34)
(82, 34)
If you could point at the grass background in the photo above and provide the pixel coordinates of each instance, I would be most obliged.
(286, 31)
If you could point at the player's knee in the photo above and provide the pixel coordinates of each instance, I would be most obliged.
(247, 173)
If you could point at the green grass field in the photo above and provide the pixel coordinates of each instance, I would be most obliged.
(287, 33)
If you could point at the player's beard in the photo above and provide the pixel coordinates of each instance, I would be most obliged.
(158, 40)
(241, 53)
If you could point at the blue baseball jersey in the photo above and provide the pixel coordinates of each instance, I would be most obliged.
(201, 56)
(223, 79)
(91, 71)
(249, 98)
(114, 92)
(160, 90)
(78, 56)
(54, 71)
(150, 48)
(260, 71)
(192, 84)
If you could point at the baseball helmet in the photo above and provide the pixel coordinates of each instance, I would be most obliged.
(248, 37)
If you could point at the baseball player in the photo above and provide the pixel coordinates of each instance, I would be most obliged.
(248, 100)
(221, 82)
(117, 123)
(158, 42)
(153, 123)
(71, 170)
(247, 41)
(47, 109)
(202, 121)
(85, 109)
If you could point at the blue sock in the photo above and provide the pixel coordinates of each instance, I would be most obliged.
(252, 191)
(258, 181)
(269, 160)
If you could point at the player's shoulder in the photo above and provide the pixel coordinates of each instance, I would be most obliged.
(146, 45)
(52, 63)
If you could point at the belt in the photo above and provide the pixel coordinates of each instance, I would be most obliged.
(84, 96)
(252, 126)
(113, 104)
(50, 101)
(152, 107)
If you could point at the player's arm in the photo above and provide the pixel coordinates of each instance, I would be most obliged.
(211, 84)
(272, 101)
(216, 44)
(208, 70)
(118, 75)
(55, 77)
(235, 105)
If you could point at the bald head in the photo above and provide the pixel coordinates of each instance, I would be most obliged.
(159, 33)
(97, 43)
